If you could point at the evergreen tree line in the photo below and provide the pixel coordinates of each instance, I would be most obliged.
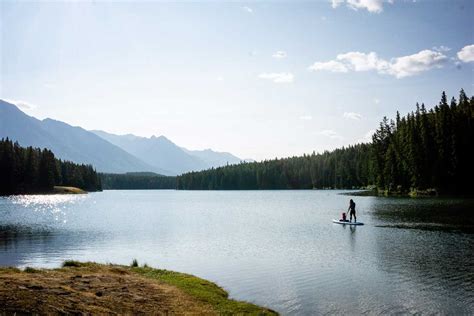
(136, 181)
(423, 150)
(347, 167)
(34, 170)
(427, 149)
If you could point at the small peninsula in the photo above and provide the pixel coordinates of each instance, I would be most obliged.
(92, 288)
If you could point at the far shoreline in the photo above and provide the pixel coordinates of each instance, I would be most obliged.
(411, 194)
(68, 190)
(57, 190)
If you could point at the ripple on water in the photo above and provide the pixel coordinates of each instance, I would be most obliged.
(40, 210)
(275, 248)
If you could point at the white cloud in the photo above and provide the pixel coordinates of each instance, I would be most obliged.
(414, 64)
(376, 101)
(352, 115)
(331, 134)
(363, 62)
(22, 104)
(441, 48)
(248, 9)
(336, 3)
(279, 54)
(306, 117)
(373, 6)
(278, 77)
(220, 78)
(332, 65)
(466, 54)
(399, 67)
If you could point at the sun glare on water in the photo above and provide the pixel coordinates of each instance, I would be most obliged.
(53, 206)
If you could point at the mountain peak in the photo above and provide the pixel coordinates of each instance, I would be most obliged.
(68, 142)
(159, 137)
(159, 151)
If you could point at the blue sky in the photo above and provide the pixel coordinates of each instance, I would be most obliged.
(259, 79)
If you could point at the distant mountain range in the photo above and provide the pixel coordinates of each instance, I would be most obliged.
(163, 153)
(106, 152)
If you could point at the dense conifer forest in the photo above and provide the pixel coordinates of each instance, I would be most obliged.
(34, 170)
(426, 150)
(136, 181)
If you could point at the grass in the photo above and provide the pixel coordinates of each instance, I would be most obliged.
(73, 263)
(68, 190)
(9, 270)
(199, 290)
(204, 291)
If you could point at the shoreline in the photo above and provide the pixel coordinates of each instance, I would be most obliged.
(93, 288)
(56, 190)
(67, 190)
(411, 194)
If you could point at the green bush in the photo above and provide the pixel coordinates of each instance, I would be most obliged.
(72, 263)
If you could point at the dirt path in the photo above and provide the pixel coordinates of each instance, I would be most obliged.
(92, 290)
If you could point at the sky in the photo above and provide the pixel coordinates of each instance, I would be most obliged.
(259, 79)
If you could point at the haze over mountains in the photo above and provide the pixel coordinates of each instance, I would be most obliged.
(160, 151)
(106, 152)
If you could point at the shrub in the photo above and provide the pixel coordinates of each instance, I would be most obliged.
(72, 263)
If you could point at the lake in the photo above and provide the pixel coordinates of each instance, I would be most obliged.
(273, 248)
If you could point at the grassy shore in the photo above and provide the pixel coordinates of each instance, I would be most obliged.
(92, 288)
(68, 190)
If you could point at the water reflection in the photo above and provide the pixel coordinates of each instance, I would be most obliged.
(438, 265)
(352, 235)
(275, 248)
(428, 244)
(425, 213)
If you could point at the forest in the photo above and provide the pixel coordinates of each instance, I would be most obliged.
(136, 181)
(423, 151)
(33, 170)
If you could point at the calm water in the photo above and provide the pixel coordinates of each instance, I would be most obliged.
(273, 248)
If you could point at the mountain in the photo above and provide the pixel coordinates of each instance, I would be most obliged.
(106, 152)
(68, 142)
(214, 158)
(162, 153)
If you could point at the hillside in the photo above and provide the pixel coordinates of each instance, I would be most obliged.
(67, 142)
(162, 153)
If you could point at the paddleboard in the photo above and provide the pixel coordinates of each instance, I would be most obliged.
(346, 223)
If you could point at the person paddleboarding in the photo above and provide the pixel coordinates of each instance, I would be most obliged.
(352, 211)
